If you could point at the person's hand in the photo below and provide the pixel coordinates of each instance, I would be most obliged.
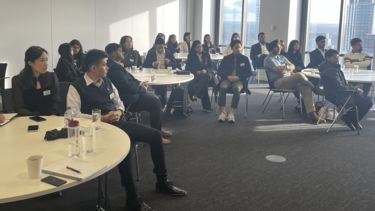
(204, 71)
(112, 116)
(155, 64)
(233, 78)
(359, 91)
(144, 84)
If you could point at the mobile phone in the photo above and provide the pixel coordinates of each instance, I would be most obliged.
(53, 181)
(32, 128)
(38, 118)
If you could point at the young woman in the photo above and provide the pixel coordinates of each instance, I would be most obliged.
(228, 49)
(185, 45)
(172, 44)
(36, 91)
(208, 46)
(199, 63)
(78, 55)
(131, 56)
(294, 55)
(234, 71)
(65, 68)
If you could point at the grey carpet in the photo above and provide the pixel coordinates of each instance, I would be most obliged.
(223, 166)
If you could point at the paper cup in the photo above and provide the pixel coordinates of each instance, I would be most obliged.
(34, 166)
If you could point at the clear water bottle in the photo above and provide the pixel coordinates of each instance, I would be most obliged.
(69, 115)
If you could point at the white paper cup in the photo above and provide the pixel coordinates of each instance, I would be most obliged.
(34, 166)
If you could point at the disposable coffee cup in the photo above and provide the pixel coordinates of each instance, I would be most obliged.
(34, 166)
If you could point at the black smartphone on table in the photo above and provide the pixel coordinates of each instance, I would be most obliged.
(38, 118)
(53, 181)
(32, 128)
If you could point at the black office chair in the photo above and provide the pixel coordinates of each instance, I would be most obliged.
(64, 88)
(282, 92)
(7, 100)
(3, 68)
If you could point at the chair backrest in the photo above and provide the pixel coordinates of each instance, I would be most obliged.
(64, 87)
(7, 100)
(270, 83)
(3, 68)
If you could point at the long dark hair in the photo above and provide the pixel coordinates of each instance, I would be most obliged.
(65, 51)
(31, 55)
(233, 35)
(204, 39)
(123, 40)
(192, 49)
(77, 42)
(291, 47)
(185, 35)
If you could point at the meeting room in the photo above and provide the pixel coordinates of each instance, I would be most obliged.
(187, 105)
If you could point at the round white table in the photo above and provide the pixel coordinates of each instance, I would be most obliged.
(184, 56)
(161, 76)
(16, 145)
(360, 76)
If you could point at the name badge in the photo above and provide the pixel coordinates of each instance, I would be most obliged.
(131, 60)
(242, 65)
(112, 95)
(46, 92)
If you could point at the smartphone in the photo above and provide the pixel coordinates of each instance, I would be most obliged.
(32, 128)
(38, 118)
(53, 181)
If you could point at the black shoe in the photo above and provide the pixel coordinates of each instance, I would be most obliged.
(168, 188)
(358, 126)
(348, 123)
(138, 206)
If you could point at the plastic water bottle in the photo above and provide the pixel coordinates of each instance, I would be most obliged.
(68, 116)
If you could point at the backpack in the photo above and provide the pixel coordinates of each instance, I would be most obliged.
(175, 105)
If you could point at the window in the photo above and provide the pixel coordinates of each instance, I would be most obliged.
(252, 28)
(231, 20)
(358, 22)
(323, 19)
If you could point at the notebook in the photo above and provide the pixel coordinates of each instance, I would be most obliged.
(85, 168)
(8, 118)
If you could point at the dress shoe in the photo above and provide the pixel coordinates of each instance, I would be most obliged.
(166, 141)
(348, 123)
(166, 133)
(139, 206)
(167, 187)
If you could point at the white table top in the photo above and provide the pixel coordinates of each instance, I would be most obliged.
(112, 146)
(184, 56)
(360, 76)
(161, 76)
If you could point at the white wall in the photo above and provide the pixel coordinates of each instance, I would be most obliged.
(48, 23)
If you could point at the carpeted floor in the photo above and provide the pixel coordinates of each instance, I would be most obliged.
(223, 166)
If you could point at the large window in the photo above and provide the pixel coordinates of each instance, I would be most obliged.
(323, 19)
(233, 19)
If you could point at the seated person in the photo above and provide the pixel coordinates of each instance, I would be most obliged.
(199, 63)
(78, 55)
(337, 91)
(186, 44)
(208, 46)
(317, 55)
(133, 92)
(159, 57)
(2, 118)
(36, 91)
(172, 44)
(94, 90)
(280, 72)
(294, 55)
(65, 69)
(259, 51)
(228, 49)
(234, 71)
(360, 59)
(131, 56)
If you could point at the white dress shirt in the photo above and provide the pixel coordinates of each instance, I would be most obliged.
(73, 100)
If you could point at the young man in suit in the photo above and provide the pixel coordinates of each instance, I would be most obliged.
(317, 55)
(133, 92)
(94, 90)
(337, 91)
(259, 51)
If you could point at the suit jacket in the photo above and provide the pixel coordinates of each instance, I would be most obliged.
(151, 57)
(132, 58)
(127, 86)
(67, 71)
(242, 65)
(256, 49)
(316, 58)
(193, 64)
(336, 88)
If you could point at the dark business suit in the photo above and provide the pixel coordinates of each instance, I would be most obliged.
(337, 90)
(151, 57)
(316, 58)
(134, 95)
(199, 86)
(256, 49)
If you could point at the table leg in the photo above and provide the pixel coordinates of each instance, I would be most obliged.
(102, 203)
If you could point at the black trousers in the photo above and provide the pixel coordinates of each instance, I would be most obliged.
(363, 103)
(140, 133)
(199, 87)
(161, 92)
(150, 103)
